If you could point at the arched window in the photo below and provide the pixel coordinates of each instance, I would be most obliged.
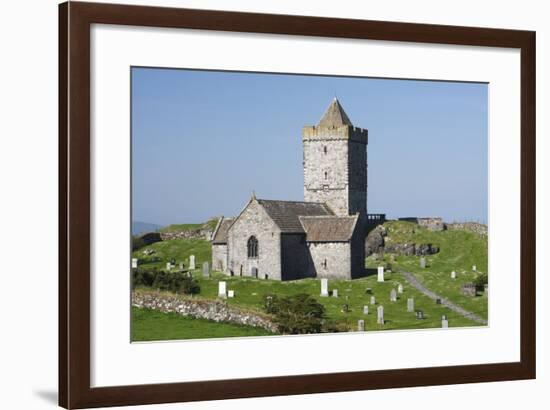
(252, 246)
(325, 149)
(326, 175)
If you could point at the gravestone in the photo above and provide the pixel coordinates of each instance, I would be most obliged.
(474, 268)
(365, 310)
(372, 300)
(380, 315)
(191, 262)
(181, 265)
(453, 275)
(254, 272)
(393, 296)
(230, 293)
(380, 274)
(469, 289)
(334, 293)
(400, 288)
(324, 287)
(438, 301)
(410, 305)
(222, 290)
(485, 289)
(206, 270)
(361, 325)
(422, 263)
(444, 322)
(168, 265)
(392, 258)
(420, 314)
(134, 263)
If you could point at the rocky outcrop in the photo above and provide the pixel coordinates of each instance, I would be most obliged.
(216, 310)
(411, 249)
(199, 233)
(374, 243)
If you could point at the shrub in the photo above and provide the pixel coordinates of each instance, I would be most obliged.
(481, 280)
(137, 243)
(169, 281)
(297, 314)
(142, 277)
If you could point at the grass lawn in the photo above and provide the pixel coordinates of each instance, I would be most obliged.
(150, 325)
(459, 250)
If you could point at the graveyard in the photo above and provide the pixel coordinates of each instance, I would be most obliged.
(352, 304)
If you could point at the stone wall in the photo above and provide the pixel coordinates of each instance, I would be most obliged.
(330, 260)
(199, 233)
(254, 221)
(478, 228)
(431, 223)
(217, 311)
(295, 257)
(219, 257)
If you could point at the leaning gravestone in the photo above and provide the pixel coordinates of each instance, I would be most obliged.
(372, 300)
(324, 287)
(365, 310)
(400, 288)
(134, 263)
(205, 270)
(444, 322)
(191, 262)
(361, 325)
(453, 275)
(380, 274)
(334, 293)
(422, 263)
(222, 290)
(410, 305)
(393, 296)
(380, 315)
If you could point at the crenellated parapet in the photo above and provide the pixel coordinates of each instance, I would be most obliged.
(342, 132)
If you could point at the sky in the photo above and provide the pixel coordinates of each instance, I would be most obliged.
(202, 141)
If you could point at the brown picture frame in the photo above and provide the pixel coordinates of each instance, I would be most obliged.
(75, 20)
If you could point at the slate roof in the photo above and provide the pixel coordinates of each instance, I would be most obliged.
(286, 213)
(328, 228)
(220, 234)
(334, 116)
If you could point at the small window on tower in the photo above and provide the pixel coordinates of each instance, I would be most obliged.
(326, 174)
(325, 149)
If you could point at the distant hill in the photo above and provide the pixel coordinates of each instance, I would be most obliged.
(139, 227)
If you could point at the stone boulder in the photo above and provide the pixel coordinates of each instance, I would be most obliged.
(375, 240)
(411, 249)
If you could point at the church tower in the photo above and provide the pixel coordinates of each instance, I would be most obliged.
(335, 163)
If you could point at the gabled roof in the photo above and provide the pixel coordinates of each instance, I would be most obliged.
(286, 214)
(334, 116)
(219, 237)
(329, 228)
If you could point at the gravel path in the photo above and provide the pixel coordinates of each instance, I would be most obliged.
(461, 311)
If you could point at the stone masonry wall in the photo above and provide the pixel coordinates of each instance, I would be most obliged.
(337, 256)
(254, 221)
(295, 256)
(219, 257)
(217, 311)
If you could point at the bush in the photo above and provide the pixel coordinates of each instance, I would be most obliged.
(169, 281)
(297, 314)
(481, 280)
(137, 243)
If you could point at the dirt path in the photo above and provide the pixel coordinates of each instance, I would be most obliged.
(432, 295)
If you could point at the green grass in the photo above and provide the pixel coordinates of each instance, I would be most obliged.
(459, 250)
(211, 223)
(150, 325)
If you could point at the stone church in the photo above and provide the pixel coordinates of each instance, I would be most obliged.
(323, 236)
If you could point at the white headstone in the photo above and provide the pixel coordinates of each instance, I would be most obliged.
(422, 263)
(400, 288)
(372, 300)
(206, 270)
(393, 296)
(134, 262)
(444, 323)
(230, 293)
(361, 325)
(168, 266)
(191, 262)
(380, 274)
(410, 305)
(222, 289)
(380, 315)
(453, 275)
(334, 293)
(474, 268)
(365, 310)
(324, 287)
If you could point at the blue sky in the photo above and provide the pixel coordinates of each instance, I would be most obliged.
(203, 140)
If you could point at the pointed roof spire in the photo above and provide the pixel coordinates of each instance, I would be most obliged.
(334, 116)
(253, 194)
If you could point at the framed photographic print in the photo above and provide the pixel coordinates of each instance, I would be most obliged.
(256, 205)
